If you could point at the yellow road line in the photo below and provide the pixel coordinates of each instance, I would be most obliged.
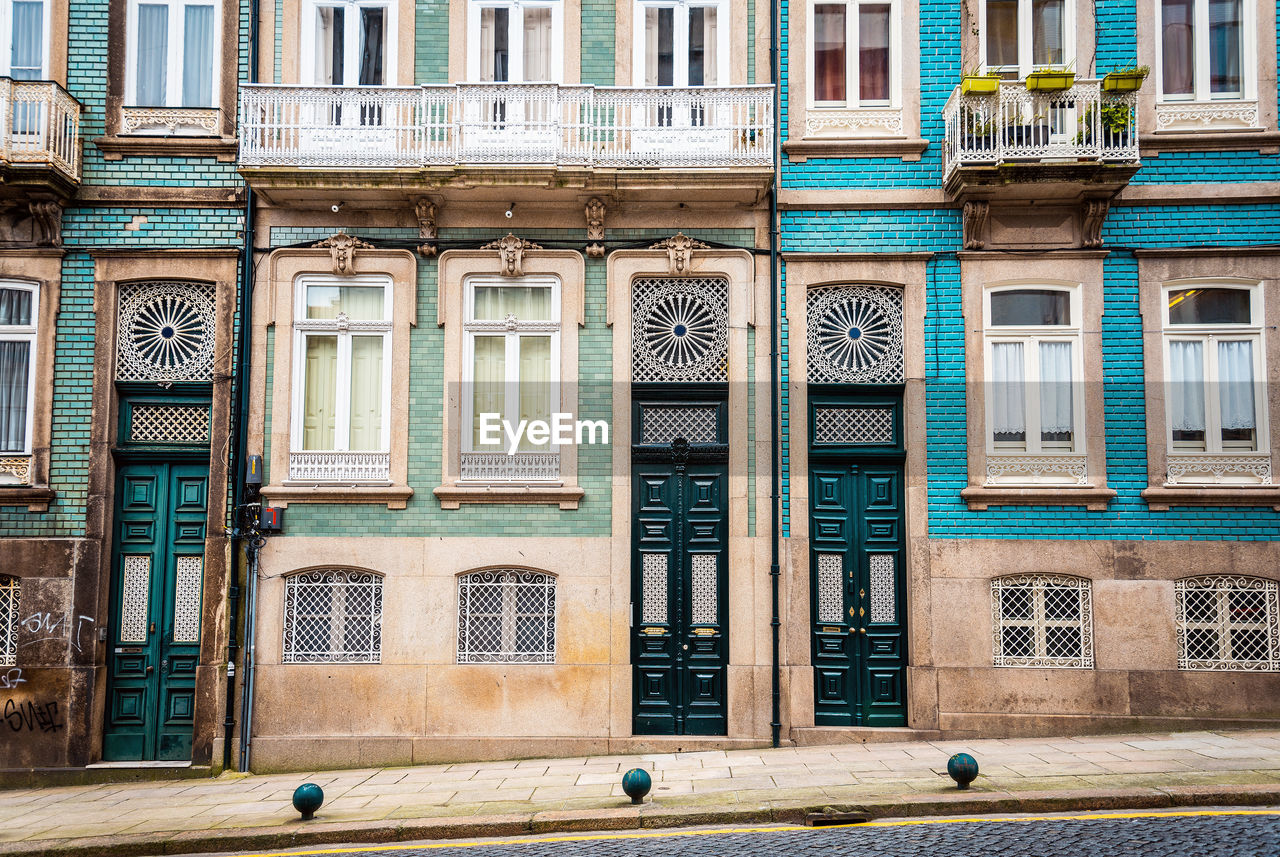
(493, 843)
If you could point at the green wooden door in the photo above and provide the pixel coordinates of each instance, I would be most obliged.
(857, 564)
(158, 574)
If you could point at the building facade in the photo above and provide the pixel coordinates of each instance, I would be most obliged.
(122, 233)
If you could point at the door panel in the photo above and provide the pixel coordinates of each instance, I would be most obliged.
(157, 583)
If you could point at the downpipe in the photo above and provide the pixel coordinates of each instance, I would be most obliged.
(252, 549)
(775, 572)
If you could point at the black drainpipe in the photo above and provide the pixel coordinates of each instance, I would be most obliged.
(774, 405)
(240, 420)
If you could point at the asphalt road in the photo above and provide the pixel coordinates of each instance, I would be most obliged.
(1191, 833)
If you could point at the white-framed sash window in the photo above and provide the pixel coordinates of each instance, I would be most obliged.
(341, 430)
(349, 42)
(174, 49)
(1206, 49)
(27, 24)
(856, 48)
(1020, 36)
(515, 41)
(19, 313)
(681, 43)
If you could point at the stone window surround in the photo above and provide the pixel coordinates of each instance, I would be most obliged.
(42, 268)
(116, 143)
(1265, 138)
(980, 270)
(455, 266)
(907, 145)
(1156, 268)
(274, 306)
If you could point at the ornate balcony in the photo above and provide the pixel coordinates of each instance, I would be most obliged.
(294, 138)
(39, 139)
(1035, 144)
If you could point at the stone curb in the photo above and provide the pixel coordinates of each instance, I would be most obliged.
(650, 816)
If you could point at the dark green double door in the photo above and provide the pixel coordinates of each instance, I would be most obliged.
(679, 605)
(158, 575)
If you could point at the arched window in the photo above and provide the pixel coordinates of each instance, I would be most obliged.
(1042, 620)
(1228, 622)
(506, 615)
(10, 593)
(333, 615)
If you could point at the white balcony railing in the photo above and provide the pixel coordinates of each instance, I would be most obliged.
(517, 467)
(340, 466)
(39, 124)
(1081, 123)
(534, 124)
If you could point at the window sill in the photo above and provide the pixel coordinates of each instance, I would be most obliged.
(1160, 498)
(35, 498)
(907, 148)
(395, 496)
(1092, 498)
(453, 496)
(1211, 139)
(115, 147)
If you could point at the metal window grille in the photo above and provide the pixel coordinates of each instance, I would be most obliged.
(169, 424)
(166, 332)
(10, 595)
(830, 587)
(506, 615)
(653, 603)
(704, 577)
(855, 335)
(186, 599)
(135, 598)
(853, 425)
(333, 616)
(663, 424)
(1228, 622)
(680, 329)
(884, 602)
(1042, 621)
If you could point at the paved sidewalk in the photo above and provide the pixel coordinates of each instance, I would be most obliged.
(734, 786)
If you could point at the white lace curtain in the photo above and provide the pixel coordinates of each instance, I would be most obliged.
(1009, 395)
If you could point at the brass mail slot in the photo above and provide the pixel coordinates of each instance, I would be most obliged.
(704, 632)
(129, 651)
(653, 632)
(827, 629)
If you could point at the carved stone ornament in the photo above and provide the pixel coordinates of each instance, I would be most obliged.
(425, 210)
(37, 223)
(595, 228)
(975, 223)
(1095, 214)
(679, 249)
(512, 249)
(342, 250)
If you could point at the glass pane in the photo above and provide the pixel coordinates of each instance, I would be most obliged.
(535, 383)
(1177, 46)
(1002, 32)
(153, 54)
(15, 306)
(1015, 603)
(526, 303)
(873, 53)
(331, 50)
(1056, 406)
(1235, 392)
(489, 374)
(495, 39)
(26, 58)
(319, 392)
(313, 606)
(1209, 306)
(1201, 605)
(702, 46)
(1046, 32)
(366, 393)
(1008, 394)
(15, 368)
(659, 46)
(1030, 307)
(1186, 392)
(829, 52)
(1018, 641)
(373, 42)
(537, 44)
(197, 57)
(1062, 642)
(1224, 46)
(1061, 602)
(363, 303)
(1248, 607)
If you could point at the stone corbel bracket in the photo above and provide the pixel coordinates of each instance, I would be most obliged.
(425, 210)
(975, 214)
(342, 251)
(511, 249)
(595, 212)
(1091, 221)
(680, 249)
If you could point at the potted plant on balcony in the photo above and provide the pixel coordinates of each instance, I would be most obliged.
(1117, 120)
(977, 83)
(1049, 79)
(1019, 134)
(1125, 79)
(978, 132)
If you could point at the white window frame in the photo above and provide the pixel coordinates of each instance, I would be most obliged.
(1200, 51)
(175, 58)
(515, 38)
(852, 67)
(340, 581)
(303, 326)
(1031, 336)
(510, 580)
(6, 27)
(471, 328)
(310, 35)
(1221, 586)
(680, 39)
(25, 333)
(1035, 584)
(1208, 334)
(1026, 39)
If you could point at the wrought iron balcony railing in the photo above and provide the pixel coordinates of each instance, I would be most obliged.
(509, 124)
(39, 126)
(1020, 125)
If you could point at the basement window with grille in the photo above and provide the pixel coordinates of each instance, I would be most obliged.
(10, 592)
(1042, 621)
(1226, 622)
(333, 616)
(505, 616)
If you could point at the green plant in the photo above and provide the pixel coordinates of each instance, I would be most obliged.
(1142, 70)
(1116, 116)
